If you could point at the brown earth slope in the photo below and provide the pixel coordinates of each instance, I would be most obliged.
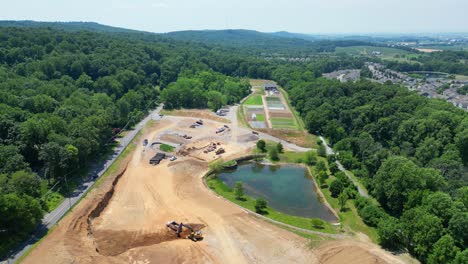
(123, 221)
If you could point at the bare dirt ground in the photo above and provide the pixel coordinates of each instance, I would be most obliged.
(123, 221)
(205, 114)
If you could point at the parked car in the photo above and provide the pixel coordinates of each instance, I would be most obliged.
(172, 158)
(145, 142)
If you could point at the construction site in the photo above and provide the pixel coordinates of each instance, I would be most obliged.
(164, 213)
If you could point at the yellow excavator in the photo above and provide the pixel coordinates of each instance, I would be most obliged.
(178, 228)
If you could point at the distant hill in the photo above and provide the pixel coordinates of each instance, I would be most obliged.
(286, 34)
(67, 26)
(250, 41)
(240, 38)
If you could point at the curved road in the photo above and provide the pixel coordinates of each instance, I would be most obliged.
(50, 219)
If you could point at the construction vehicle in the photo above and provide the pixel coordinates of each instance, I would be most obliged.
(178, 228)
(220, 151)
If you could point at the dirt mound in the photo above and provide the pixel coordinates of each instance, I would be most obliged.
(113, 243)
(247, 138)
(353, 252)
(176, 139)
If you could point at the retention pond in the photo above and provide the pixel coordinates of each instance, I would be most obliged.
(287, 188)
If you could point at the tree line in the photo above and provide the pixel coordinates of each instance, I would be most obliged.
(64, 96)
(409, 151)
(453, 62)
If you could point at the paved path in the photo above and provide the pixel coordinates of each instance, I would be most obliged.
(50, 219)
(329, 151)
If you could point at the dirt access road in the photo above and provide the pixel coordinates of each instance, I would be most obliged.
(123, 221)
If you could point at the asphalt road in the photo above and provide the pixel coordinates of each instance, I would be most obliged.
(329, 151)
(50, 219)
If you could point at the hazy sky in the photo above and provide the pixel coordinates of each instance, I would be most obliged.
(306, 16)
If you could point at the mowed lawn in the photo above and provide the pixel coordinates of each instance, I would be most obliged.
(282, 122)
(255, 99)
(260, 117)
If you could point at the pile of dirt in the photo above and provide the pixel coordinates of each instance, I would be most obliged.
(113, 243)
(353, 252)
(176, 139)
(247, 138)
(203, 114)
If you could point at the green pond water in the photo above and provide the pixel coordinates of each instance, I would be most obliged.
(288, 189)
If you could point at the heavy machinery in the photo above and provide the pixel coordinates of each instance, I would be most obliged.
(178, 228)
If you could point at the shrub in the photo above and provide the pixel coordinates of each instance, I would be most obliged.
(260, 205)
(310, 158)
(321, 166)
(238, 190)
(279, 147)
(333, 168)
(273, 153)
(261, 145)
(336, 187)
(371, 214)
(321, 151)
(317, 223)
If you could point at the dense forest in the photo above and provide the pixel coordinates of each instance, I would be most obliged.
(409, 151)
(63, 95)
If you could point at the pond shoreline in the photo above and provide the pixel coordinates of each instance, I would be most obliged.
(247, 159)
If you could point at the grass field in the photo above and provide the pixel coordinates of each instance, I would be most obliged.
(166, 148)
(299, 122)
(367, 50)
(461, 77)
(254, 99)
(279, 122)
(222, 189)
(260, 117)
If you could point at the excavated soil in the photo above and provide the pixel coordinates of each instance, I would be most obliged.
(124, 220)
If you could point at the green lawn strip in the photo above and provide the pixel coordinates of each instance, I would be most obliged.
(273, 99)
(242, 121)
(292, 157)
(166, 148)
(260, 117)
(350, 218)
(282, 122)
(305, 223)
(254, 99)
(299, 122)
